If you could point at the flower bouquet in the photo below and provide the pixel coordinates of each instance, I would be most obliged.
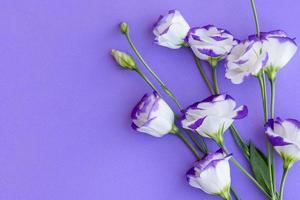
(262, 56)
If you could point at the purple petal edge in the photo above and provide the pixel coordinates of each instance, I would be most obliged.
(277, 141)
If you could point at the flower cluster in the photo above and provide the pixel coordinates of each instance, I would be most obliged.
(261, 55)
(269, 52)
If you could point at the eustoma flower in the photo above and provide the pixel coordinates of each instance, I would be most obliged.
(152, 115)
(170, 30)
(280, 49)
(210, 43)
(246, 58)
(284, 135)
(212, 174)
(213, 116)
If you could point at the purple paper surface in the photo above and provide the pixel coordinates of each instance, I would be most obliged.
(65, 105)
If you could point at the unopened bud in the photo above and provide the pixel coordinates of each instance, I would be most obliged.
(123, 59)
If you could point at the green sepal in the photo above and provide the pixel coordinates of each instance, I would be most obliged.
(225, 193)
(218, 137)
(271, 71)
(288, 161)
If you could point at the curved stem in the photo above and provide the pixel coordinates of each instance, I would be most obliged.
(255, 18)
(203, 74)
(147, 80)
(240, 167)
(163, 86)
(284, 174)
(188, 144)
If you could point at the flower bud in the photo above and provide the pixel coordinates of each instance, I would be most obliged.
(212, 174)
(152, 115)
(124, 27)
(123, 59)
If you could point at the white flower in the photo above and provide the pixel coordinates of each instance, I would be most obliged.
(212, 116)
(280, 49)
(210, 42)
(246, 58)
(212, 174)
(152, 115)
(284, 135)
(170, 30)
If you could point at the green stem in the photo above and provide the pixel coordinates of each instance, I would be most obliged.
(255, 18)
(272, 82)
(215, 79)
(188, 144)
(203, 74)
(262, 84)
(202, 149)
(244, 171)
(239, 141)
(263, 95)
(164, 87)
(234, 194)
(147, 80)
(284, 174)
(203, 143)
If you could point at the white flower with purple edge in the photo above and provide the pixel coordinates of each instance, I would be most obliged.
(212, 116)
(284, 135)
(212, 174)
(210, 42)
(152, 115)
(280, 50)
(245, 59)
(171, 30)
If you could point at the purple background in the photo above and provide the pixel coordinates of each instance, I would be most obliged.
(65, 105)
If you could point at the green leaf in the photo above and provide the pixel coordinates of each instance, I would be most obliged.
(241, 144)
(259, 165)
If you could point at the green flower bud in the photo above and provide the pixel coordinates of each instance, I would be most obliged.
(124, 27)
(123, 59)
